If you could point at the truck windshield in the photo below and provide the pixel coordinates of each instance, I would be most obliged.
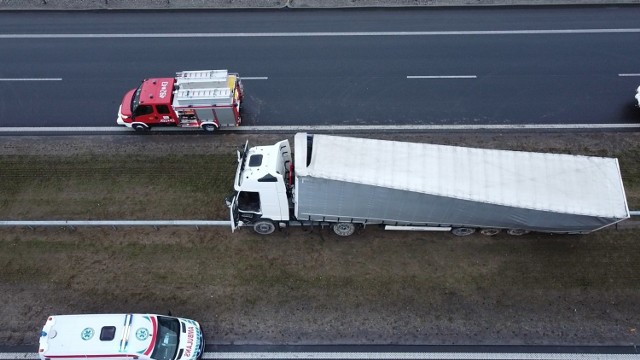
(166, 345)
(135, 99)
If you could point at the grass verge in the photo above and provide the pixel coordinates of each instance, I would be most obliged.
(309, 287)
(300, 286)
(103, 187)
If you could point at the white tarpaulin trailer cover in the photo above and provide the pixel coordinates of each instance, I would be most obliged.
(547, 184)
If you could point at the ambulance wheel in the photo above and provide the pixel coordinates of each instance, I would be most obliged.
(140, 127)
(209, 127)
(264, 227)
(344, 229)
(489, 232)
(517, 232)
(462, 231)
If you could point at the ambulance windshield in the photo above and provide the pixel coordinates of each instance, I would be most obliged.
(167, 340)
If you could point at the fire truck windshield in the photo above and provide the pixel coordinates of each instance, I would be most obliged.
(135, 99)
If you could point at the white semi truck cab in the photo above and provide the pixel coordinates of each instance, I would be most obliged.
(262, 186)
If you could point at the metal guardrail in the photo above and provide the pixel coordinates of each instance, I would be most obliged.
(72, 223)
(319, 128)
(155, 223)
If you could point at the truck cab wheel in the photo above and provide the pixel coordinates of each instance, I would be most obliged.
(517, 232)
(462, 231)
(344, 229)
(209, 127)
(264, 227)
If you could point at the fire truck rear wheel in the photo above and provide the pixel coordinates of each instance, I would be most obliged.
(344, 229)
(209, 127)
(264, 227)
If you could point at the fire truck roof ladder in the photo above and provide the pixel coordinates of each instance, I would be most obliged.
(202, 75)
(215, 96)
(202, 79)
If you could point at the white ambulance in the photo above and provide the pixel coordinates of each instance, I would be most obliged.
(120, 337)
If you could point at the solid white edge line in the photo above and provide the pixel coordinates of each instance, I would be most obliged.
(383, 355)
(431, 127)
(20, 356)
(373, 128)
(320, 33)
(442, 77)
(415, 355)
(30, 79)
(254, 78)
(629, 74)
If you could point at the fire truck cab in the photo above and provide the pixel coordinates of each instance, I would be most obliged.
(205, 99)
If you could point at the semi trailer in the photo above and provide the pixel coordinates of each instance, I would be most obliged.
(349, 183)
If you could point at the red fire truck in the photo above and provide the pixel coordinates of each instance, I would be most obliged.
(205, 99)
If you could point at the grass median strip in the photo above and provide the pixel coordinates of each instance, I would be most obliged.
(105, 187)
(310, 286)
(144, 187)
(298, 285)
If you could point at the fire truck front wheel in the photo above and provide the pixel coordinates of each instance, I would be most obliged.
(209, 127)
(140, 127)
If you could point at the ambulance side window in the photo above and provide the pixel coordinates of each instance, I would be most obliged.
(107, 333)
(143, 110)
(162, 109)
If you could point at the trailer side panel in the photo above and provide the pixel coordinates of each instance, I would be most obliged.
(331, 200)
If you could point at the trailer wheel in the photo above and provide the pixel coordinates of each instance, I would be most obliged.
(140, 127)
(517, 232)
(344, 229)
(489, 232)
(462, 231)
(264, 227)
(209, 127)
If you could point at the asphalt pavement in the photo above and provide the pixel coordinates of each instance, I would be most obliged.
(371, 67)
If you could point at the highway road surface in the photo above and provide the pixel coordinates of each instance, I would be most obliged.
(376, 67)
